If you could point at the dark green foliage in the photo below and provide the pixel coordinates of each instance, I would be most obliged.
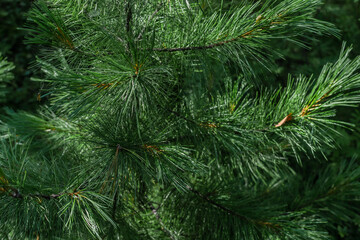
(21, 91)
(157, 127)
(346, 16)
(5, 77)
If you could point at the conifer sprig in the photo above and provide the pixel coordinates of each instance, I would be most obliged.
(132, 65)
(150, 136)
(281, 121)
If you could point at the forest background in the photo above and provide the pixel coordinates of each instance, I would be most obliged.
(22, 93)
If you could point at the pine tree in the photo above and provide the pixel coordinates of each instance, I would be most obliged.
(159, 123)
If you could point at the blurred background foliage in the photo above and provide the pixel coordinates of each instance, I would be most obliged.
(345, 14)
(21, 92)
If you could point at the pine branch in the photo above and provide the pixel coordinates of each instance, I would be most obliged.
(125, 138)
(163, 227)
(276, 227)
(213, 45)
(335, 185)
(332, 191)
(15, 193)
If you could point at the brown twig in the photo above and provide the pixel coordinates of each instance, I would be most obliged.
(308, 108)
(154, 150)
(288, 118)
(213, 45)
(202, 47)
(64, 38)
(16, 194)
